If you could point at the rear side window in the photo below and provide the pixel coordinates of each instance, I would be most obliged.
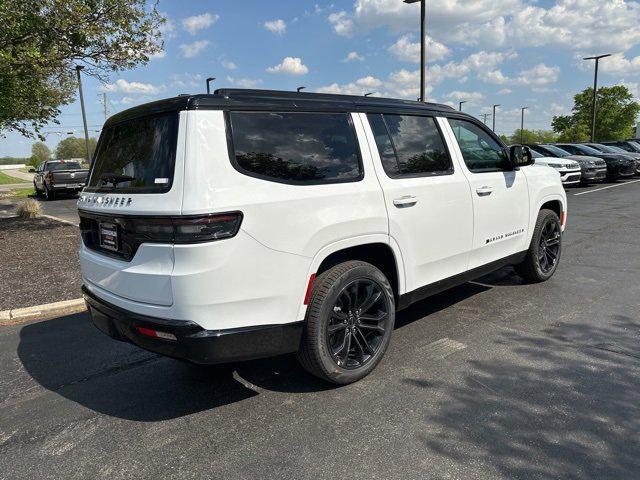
(136, 156)
(410, 145)
(296, 148)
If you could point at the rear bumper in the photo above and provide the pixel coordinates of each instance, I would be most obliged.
(192, 342)
(68, 186)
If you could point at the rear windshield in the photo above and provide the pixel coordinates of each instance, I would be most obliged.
(55, 166)
(136, 156)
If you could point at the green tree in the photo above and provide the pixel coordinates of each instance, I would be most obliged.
(533, 136)
(616, 116)
(40, 151)
(73, 147)
(42, 40)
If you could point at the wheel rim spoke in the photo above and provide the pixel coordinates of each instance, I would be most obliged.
(549, 250)
(358, 323)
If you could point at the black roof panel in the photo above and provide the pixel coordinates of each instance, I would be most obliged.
(245, 99)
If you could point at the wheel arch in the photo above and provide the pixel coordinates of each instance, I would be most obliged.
(378, 250)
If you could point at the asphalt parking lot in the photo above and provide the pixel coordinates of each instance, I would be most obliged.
(490, 380)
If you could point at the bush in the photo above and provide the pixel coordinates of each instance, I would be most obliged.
(29, 209)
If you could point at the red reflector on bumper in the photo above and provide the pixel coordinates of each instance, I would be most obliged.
(156, 334)
(309, 289)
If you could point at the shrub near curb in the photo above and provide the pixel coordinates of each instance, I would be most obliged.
(29, 209)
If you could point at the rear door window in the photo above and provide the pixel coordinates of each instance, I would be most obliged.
(410, 145)
(136, 156)
(296, 148)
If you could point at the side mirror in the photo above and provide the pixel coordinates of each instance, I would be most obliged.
(32, 170)
(520, 156)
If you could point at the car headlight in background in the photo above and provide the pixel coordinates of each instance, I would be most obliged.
(555, 165)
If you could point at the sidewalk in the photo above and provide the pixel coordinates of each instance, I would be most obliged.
(19, 174)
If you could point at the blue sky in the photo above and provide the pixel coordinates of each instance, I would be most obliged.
(509, 52)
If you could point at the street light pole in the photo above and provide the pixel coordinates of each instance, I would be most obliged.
(462, 102)
(423, 46)
(84, 114)
(522, 125)
(595, 93)
(299, 89)
(494, 117)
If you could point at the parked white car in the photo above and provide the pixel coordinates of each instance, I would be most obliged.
(569, 170)
(245, 224)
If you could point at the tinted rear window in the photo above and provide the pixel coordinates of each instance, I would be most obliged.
(410, 145)
(297, 148)
(142, 148)
(55, 166)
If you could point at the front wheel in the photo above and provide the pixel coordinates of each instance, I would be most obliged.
(349, 322)
(544, 252)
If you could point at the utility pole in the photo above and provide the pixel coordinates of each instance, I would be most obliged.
(423, 47)
(484, 117)
(462, 102)
(597, 58)
(84, 114)
(522, 125)
(494, 117)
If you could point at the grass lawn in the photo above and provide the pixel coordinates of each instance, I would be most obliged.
(6, 179)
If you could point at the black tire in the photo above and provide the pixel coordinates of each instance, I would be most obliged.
(49, 194)
(325, 315)
(544, 253)
(37, 192)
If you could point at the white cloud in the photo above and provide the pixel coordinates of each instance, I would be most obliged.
(353, 57)
(291, 66)
(407, 51)
(228, 65)
(369, 82)
(190, 50)
(199, 22)
(244, 82)
(578, 25)
(277, 27)
(618, 64)
(469, 97)
(359, 87)
(123, 86)
(158, 55)
(342, 23)
(538, 76)
(168, 28)
(505, 91)
(634, 88)
(184, 80)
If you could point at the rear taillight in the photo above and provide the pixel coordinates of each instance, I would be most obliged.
(188, 229)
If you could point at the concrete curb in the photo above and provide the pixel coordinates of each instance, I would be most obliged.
(20, 315)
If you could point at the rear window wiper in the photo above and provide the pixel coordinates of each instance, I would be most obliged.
(115, 178)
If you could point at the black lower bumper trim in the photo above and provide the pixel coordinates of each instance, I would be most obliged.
(192, 342)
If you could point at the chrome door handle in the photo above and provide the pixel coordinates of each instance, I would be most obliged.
(484, 191)
(406, 201)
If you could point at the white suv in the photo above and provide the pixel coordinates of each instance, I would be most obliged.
(246, 224)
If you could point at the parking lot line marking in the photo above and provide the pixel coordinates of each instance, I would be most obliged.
(604, 188)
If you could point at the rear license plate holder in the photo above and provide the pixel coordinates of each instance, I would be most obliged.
(108, 236)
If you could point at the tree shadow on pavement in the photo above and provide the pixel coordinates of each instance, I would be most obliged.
(555, 405)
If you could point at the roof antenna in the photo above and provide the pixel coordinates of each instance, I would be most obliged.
(367, 94)
(209, 80)
(299, 89)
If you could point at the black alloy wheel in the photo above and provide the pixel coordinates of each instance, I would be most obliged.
(548, 252)
(357, 324)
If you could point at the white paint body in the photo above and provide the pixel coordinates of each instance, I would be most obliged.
(260, 276)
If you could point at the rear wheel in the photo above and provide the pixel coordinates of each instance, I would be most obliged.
(349, 322)
(48, 193)
(544, 252)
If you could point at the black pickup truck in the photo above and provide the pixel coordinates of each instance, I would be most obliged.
(59, 176)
